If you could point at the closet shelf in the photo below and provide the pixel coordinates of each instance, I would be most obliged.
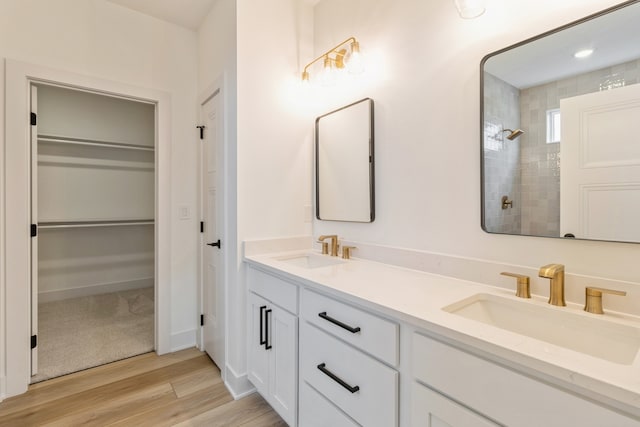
(84, 224)
(92, 143)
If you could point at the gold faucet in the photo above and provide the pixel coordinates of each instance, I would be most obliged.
(334, 243)
(555, 272)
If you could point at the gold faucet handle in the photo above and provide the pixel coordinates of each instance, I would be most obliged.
(523, 289)
(325, 247)
(346, 251)
(593, 298)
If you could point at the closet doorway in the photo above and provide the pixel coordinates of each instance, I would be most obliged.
(93, 187)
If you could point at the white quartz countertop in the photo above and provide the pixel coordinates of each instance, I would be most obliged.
(417, 298)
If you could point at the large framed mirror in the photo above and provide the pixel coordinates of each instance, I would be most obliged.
(560, 130)
(345, 164)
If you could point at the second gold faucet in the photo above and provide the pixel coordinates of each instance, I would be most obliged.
(334, 243)
(555, 272)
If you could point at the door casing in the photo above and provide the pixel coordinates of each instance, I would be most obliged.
(15, 348)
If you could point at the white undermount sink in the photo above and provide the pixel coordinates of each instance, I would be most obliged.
(585, 333)
(311, 260)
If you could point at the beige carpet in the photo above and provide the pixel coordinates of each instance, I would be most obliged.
(81, 333)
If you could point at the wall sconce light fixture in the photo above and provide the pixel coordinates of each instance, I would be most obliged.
(469, 9)
(337, 59)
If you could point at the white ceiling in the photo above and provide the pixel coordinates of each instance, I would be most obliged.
(615, 38)
(186, 13)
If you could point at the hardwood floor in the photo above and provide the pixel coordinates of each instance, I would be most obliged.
(177, 389)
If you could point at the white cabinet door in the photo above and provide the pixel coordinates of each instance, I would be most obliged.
(282, 344)
(272, 355)
(258, 357)
(431, 409)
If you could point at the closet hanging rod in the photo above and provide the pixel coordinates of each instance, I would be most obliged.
(92, 143)
(84, 224)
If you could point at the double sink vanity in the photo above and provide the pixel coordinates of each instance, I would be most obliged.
(382, 340)
(348, 342)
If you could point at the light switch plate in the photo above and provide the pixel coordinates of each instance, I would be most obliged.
(184, 212)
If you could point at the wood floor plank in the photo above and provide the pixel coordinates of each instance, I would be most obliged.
(195, 382)
(235, 413)
(68, 385)
(268, 419)
(71, 404)
(183, 388)
(120, 408)
(181, 409)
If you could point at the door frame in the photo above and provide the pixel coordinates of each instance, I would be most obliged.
(15, 314)
(215, 89)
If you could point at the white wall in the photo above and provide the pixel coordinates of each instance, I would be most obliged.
(274, 135)
(100, 39)
(217, 67)
(256, 46)
(424, 77)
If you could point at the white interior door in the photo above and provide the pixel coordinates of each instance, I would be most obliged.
(34, 239)
(600, 165)
(213, 286)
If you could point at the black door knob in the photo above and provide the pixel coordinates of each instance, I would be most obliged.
(215, 244)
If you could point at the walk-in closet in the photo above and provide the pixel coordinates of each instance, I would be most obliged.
(92, 214)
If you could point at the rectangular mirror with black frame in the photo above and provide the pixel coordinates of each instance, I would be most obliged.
(345, 164)
(560, 131)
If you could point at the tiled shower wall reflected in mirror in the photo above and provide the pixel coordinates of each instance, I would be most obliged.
(502, 157)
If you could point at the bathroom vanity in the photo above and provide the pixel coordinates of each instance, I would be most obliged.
(354, 342)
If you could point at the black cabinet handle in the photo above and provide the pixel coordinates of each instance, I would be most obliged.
(339, 323)
(323, 368)
(215, 244)
(262, 340)
(267, 344)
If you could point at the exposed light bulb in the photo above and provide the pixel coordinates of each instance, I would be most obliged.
(327, 76)
(583, 53)
(469, 9)
(355, 65)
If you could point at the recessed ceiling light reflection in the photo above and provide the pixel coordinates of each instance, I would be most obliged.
(583, 53)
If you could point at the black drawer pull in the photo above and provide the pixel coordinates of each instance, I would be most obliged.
(267, 341)
(262, 340)
(339, 323)
(337, 379)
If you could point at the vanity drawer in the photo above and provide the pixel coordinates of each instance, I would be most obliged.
(501, 394)
(375, 335)
(274, 289)
(373, 403)
(316, 411)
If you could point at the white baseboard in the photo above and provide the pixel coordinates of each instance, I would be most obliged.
(238, 385)
(183, 340)
(96, 289)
